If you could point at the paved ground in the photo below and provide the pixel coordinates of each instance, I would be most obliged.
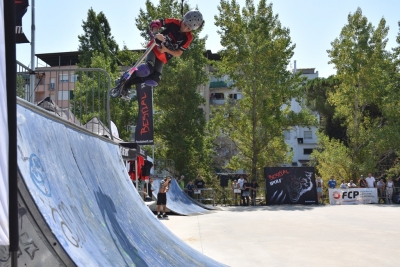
(356, 235)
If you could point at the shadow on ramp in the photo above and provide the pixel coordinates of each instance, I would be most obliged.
(177, 201)
(82, 206)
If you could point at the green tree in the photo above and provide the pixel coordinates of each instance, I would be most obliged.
(180, 127)
(389, 139)
(257, 50)
(97, 38)
(363, 69)
(99, 50)
(317, 92)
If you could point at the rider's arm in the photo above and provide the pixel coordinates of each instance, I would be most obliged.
(175, 53)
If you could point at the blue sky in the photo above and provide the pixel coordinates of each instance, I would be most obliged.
(313, 24)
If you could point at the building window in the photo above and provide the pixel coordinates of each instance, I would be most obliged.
(308, 151)
(217, 96)
(235, 96)
(63, 95)
(308, 135)
(74, 78)
(52, 84)
(63, 78)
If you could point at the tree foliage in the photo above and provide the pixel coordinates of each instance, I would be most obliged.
(99, 50)
(256, 52)
(365, 98)
(317, 92)
(97, 38)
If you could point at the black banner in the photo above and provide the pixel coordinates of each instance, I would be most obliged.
(144, 134)
(21, 6)
(290, 185)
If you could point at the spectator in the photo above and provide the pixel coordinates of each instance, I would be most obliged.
(320, 184)
(190, 188)
(199, 185)
(162, 197)
(361, 182)
(245, 192)
(389, 190)
(332, 182)
(381, 185)
(351, 184)
(235, 190)
(253, 189)
(371, 182)
(149, 189)
(343, 185)
(241, 182)
(181, 182)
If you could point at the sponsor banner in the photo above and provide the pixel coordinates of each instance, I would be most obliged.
(353, 196)
(21, 6)
(290, 185)
(4, 229)
(144, 134)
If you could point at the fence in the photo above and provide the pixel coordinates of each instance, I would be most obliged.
(79, 95)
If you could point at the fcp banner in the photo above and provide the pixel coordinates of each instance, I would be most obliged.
(144, 134)
(290, 185)
(4, 226)
(348, 196)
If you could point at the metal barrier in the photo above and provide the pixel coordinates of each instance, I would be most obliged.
(385, 198)
(79, 95)
(205, 194)
(23, 82)
(230, 198)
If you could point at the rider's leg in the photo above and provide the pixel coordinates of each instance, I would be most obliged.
(154, 78)
(147, 68)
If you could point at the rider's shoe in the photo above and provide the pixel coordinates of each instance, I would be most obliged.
(125, 94)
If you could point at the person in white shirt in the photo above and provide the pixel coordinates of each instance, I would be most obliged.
(343, 185)
(351, 184)
(389, 190)
(370, 181)
(320, 184)
(381, 185)
(241, 182)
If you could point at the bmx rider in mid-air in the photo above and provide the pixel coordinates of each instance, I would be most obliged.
(172, 42)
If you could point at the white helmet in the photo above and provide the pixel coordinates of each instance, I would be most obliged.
(193, 19)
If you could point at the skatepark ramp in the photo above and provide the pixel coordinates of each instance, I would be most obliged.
(78, 206)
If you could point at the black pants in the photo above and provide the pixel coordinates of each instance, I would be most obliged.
(155, 65)
(161, 199)
(253, 197)
(245, 199)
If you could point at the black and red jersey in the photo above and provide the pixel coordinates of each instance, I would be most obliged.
(175, 39)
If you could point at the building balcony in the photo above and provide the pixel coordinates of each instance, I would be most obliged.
(218, 84)
(217, 101)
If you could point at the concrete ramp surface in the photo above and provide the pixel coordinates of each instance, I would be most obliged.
(177, 201)
(89, 212)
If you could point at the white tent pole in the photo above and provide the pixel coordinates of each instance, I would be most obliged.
(32, 76)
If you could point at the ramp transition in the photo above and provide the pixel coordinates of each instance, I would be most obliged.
(78, 205)
(177, 201)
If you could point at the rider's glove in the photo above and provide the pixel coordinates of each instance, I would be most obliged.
(155, 24)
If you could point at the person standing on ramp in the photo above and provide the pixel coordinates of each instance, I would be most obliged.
(162, 197)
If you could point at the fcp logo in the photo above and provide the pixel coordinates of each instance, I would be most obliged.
(336, 195)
